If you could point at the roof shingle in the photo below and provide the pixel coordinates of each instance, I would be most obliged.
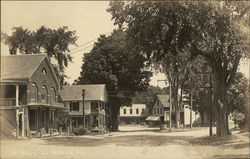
(92, 92)
(164, 99)
(16, 67)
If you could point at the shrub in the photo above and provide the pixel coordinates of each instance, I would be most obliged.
(79, 130)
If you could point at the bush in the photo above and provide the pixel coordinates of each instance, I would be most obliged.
(79, 130)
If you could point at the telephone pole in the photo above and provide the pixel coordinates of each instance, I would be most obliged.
(83, 108)
(191, 107)
(170, 106)
(210, 107)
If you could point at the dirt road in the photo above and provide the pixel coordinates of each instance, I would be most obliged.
(132, 143)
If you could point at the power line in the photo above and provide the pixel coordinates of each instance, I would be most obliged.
(80, 50)
(130, 97)
(85, 44)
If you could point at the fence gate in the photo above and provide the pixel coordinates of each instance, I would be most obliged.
(8, 123)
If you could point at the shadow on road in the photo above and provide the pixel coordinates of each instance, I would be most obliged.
(142, 130)
(232, 141)
(132, 140)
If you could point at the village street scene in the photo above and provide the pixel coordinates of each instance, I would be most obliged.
(125, 79)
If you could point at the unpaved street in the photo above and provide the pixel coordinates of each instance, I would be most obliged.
(131, 142)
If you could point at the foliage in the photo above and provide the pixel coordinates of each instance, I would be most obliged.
(80, 130)
(54, 42)
(215, 30)
(237, 94)
(63, 119)
(111, 62)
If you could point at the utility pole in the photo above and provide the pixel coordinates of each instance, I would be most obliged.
(191, 107)
(83, 108)
(210, 107)
(170, 106)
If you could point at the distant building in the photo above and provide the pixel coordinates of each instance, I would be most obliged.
(95, 105)
(136, 114)
(29, 95)
(162, 106)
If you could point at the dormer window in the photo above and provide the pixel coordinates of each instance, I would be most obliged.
(44, 71)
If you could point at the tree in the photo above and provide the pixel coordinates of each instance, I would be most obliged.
(111, 62)
(214, 30)
(54, 42)
(237, 97)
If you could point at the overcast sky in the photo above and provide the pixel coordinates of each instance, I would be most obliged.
(88, 19)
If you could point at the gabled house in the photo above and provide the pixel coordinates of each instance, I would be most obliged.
(135, 114)
(162, 105)
(94, 105)
(29, 95)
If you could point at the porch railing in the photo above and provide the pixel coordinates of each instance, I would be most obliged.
(57, 104)
(7, 101)
(52, 104)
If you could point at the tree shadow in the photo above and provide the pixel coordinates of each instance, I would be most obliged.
(143, 130)
(131, 140)
(232, 156)
(226, 142)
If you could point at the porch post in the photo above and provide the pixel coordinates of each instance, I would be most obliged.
(17, 110)
(17, 95)
(53, 118)
(37, 119)
(104, 116)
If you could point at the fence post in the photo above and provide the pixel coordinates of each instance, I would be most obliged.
(60, 130)
(41, 133)
(51, 131)
(68, 131)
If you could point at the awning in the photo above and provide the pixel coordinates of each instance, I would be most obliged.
(153, 118)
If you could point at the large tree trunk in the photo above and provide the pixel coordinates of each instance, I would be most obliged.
(220, 106)
(114, 126)
(202, 117)
(176, 107)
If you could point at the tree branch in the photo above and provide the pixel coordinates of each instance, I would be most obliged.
(233, 71)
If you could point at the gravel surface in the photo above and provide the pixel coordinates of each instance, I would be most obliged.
(132, 143)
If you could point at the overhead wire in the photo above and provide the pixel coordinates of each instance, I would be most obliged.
(85, 44)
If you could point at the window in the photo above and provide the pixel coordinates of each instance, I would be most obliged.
(137, 111)
(44, 71)
(160, 110)
(143, 111)
(124, 111)
(44, 94)
(34, 92)
(94, 107)
(74, 106)
(131, 111)
(53, 95)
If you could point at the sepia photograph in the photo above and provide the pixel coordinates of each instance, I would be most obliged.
(139, 79)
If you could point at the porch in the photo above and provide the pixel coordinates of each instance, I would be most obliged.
(42, 121)
(93, 122)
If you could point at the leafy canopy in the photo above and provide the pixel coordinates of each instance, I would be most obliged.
(54, 42)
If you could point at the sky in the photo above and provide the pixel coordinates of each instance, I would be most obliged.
(88, 18)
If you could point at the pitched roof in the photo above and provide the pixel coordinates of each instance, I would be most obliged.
(92, 92)
(22, 67)
(164, 99)
(14, 67)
